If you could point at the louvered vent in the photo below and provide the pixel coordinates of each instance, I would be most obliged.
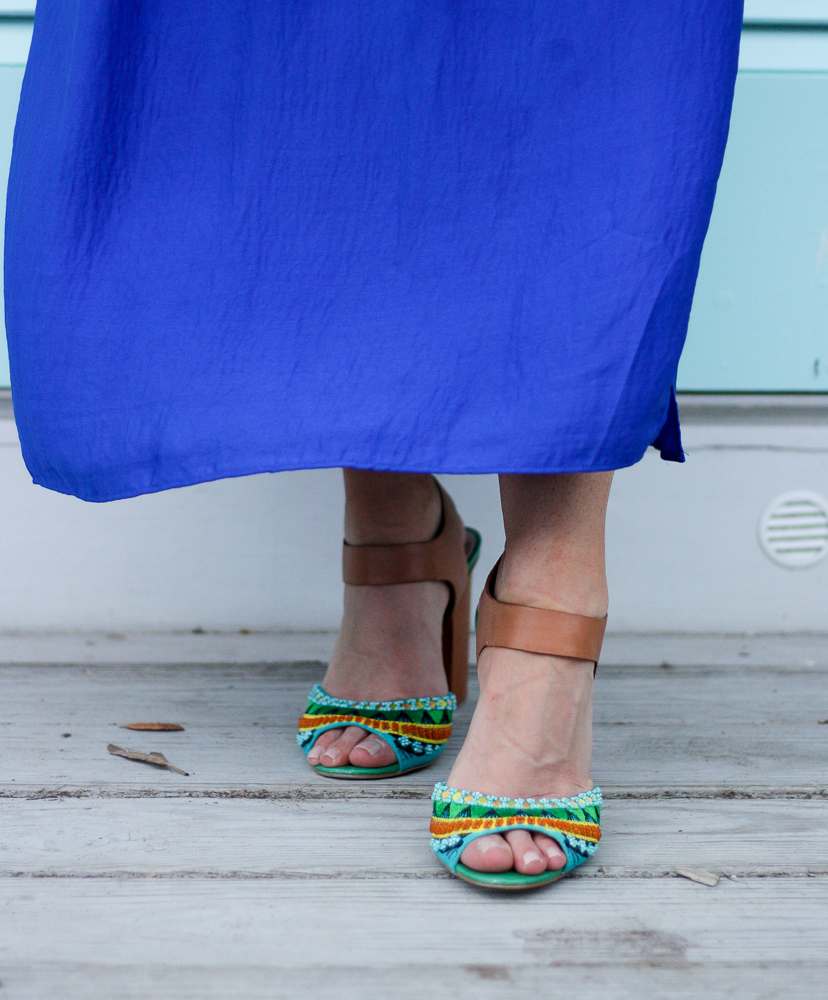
(793, 531)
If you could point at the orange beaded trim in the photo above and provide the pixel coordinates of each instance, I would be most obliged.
(428, 734)
(447, 827)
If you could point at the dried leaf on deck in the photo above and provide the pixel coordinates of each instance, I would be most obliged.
(149, 758)
(698, 875)
(156, 727)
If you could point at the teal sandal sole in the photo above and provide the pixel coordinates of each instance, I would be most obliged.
(506, 881)
(350, 772)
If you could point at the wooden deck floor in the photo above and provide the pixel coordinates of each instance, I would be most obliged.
(254, 877)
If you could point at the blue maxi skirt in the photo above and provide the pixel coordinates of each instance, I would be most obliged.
(420, 235)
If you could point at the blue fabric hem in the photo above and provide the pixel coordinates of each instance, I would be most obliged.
(58, 485)
(668, 441)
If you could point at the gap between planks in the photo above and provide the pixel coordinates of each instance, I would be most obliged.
(740, 877)
(291, 793)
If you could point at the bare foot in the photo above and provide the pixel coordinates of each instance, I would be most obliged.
(531, 733)
(390, 643)
(531, 736)
(389, 647)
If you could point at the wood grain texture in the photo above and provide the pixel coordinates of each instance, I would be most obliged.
(255, 877)
(681, 729)
(255, 838)
(656, 978)
(384, 923)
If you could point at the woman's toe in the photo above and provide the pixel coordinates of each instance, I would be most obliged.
(373, 751)
(322, 743)
(340, 749)
(488, 854)
(528, 858)
(551, 850)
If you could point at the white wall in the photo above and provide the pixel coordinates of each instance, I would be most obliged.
(683, 551)
(263, 552)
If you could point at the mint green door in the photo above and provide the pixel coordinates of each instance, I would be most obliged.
(11, 78)
(760, 315)
(15, 37)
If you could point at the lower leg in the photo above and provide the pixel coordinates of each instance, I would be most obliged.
(531, 734)
(389, 645)
(390, 508)
(554, 556)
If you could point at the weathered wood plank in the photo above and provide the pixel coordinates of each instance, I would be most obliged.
(657, 730)
(652, 977)
(378, 924)
(105, 837)
(280, 896)
(273, 693)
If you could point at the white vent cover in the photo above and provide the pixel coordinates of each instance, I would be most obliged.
(793, 531)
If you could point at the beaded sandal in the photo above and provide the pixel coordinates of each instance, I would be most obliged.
(415, 728)
(459, 817)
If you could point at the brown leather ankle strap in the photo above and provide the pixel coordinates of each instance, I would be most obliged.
(443, 558)
(536, 630)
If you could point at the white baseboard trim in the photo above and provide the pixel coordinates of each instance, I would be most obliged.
(263, 552)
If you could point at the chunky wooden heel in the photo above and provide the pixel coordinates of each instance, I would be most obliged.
(456, 638)
(415, 728)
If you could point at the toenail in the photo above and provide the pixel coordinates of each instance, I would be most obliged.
(486, 844)
(531, 856)
(332, 754)
(553, 852)
(372, 745)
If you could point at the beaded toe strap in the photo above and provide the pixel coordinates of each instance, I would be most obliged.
(459, 817)
(416, 728)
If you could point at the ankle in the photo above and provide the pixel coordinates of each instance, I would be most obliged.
(540, 581)
(390, 508)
